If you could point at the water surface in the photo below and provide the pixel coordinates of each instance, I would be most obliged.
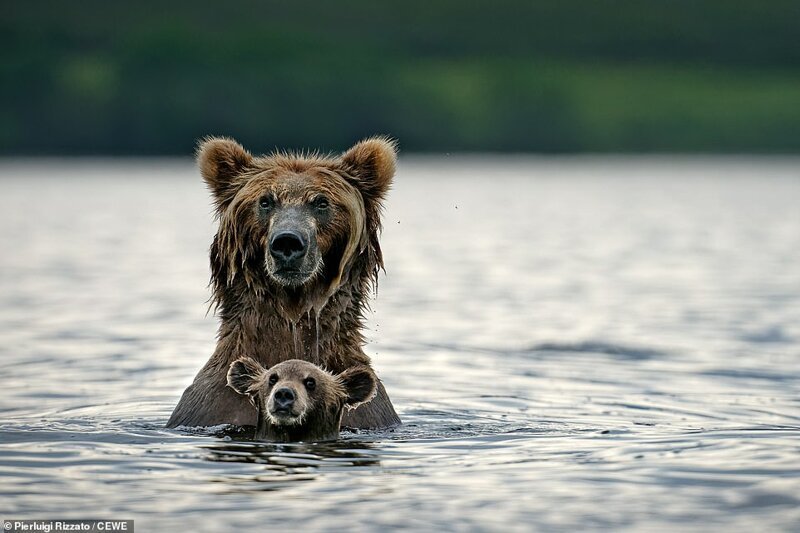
(572, 343)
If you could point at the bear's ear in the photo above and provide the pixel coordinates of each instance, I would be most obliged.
(360, 383)
(370, 166)
(221, 162)
(244, 376)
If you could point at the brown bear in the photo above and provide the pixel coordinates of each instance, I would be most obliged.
(293, 262)
(297, 400)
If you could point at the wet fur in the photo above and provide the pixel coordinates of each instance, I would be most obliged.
(258, 315)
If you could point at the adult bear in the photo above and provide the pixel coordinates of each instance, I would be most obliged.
(293, 262)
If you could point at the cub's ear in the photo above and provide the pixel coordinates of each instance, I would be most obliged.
(244, 376)
(221, 162)
(370, 166)
(360, 383)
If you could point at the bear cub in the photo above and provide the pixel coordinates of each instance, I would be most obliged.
(299, 401)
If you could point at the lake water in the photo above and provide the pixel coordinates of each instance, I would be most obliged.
(572, 343)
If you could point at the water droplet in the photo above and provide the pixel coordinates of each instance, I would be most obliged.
(316, 335)
(296, 339)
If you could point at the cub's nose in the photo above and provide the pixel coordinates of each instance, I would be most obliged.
(287, 246)
(284, 398)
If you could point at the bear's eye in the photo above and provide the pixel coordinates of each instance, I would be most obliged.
(310, 383)
(321, 203)
(266, 202)
(273, 379)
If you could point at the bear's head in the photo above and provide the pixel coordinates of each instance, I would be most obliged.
(297, 400)
(296, 224)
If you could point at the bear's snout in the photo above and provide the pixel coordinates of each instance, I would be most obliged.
(292, 254)
(284, 399)
(288, 248)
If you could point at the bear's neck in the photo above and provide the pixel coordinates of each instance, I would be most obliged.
(273, 325)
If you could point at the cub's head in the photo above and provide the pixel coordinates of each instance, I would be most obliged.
(299, 401)
(292, 221)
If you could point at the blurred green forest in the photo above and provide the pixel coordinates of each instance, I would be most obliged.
(100, 77)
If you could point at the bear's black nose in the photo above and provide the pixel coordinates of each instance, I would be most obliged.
(287, 246)
(284, 398)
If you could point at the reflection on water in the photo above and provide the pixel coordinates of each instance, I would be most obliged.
(284, 464)
(571, 343)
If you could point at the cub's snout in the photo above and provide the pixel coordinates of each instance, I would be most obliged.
(281, 406)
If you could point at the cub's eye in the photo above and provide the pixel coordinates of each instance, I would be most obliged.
(265, 202)
(310, 383)
(321, 203)
(273, 379)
